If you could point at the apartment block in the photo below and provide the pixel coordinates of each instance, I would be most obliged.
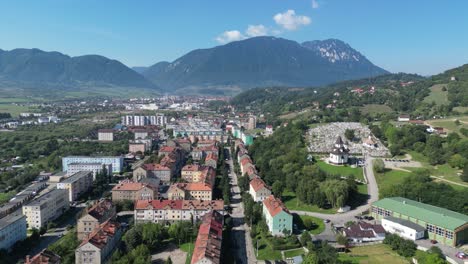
(95, 168)
(46, 208)
(94, 217)
(77, 184)
(12, 229)
(128, 190)
(116, 162)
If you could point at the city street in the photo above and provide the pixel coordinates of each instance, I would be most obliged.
(242, 242)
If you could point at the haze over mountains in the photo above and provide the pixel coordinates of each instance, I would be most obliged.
(226, 69)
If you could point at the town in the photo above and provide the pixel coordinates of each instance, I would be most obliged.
(181, 185)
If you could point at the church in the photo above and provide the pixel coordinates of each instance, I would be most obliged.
(340, 153)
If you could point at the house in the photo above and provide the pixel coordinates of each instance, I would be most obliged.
(169, 211)
(106, 135)
(206, 143)
(259, 190)
(128, 190)
(197, 173)
(445, 226)
(96, 215)
(184, 143)
(403, 118)
(211, 160)
(166, 150)
(278, 218)
(117, 161)
(100, 244)
(244, 164)
(340, 152)
(362, 232)
(95, 168)
(197, 154)
(269, 130)
(207, 248)
(190, 191)
(403, 228)
(44, 257)
(158, 171)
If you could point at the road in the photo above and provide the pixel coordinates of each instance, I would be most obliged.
(342, 218)
(240, 233)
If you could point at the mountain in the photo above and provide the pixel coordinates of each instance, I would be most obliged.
(36, 68)
(140, 69)
(262, 62)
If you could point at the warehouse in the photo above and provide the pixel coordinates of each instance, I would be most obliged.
(403, 228)
(445, 226)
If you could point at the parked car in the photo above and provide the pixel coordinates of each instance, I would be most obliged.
(461, 255)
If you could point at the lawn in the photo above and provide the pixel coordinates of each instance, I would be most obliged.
(265, 252)
(374, 254)
(444, 171)
(376, 108)
(13, 109)
(317, 229)
(293, 253)
(461, 109)
(188, 247)
(390, 177)
(341, 170)
(292, 203)
(449, 124)
(437, 95)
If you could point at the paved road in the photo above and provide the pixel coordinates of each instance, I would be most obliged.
(372, 190)
(242, 242)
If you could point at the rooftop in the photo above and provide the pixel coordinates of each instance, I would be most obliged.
(431, 214)
(209, 239)
(77, 176)
(406, 223)
(101, 236)
(47, 197)
(131, 186)
(257, 184)
(10, 218)
(274, 205)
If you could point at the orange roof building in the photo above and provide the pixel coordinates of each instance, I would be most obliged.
(277, 216)
(209, 240)
(259, 190)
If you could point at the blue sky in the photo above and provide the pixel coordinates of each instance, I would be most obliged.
(420, 36)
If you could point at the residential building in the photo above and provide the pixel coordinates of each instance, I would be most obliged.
(77, 184)
(403, 228)
(44, 257)
(259, 190)
(445, 226)
(129, 120)
(278, 218)
(95, 168)
(207, 248)
(362, 232)
(98, 247)
(116, 162)
(97, 214)
(127, 190)
(106, 135)
(12, 229)
(340, 153)
(403, 118)
(190, 191)
(169, 211)
(158, 171)
(46, 208)
(197, 173)
(211, 160)
(140, 133)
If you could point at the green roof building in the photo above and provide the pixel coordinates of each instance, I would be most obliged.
(445, 226)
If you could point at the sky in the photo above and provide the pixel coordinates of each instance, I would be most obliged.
(418, 36)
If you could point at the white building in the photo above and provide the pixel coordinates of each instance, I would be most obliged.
(259, 190)
(140, 120)
(46, 208)
(77, 184)
(340, 153)
(106, 135)
(403, 228)
(95, 168)
(12, 229)
(116, 162)
(403, 118)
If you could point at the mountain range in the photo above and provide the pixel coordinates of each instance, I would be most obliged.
(225, 69)
(263, 61)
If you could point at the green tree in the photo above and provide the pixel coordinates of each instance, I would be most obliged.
(349, 134)
(341, 240)
(379, 165)
(457, 161)
(464, 176)
(277, 189)
(305, 238)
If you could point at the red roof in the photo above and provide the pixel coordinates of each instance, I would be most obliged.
(274, 205)
(193, 186)
(194, 167)
(101, 236)
(99, 209)
(155, 167)
(209, 239)
(167, 149)
(258, 184)
(131, 186)
(245, 160)
(179, 204)
(211, 156)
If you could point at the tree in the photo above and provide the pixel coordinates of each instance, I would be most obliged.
(277, 188)
(342, 240)
(464, 176)
(305, 238)
(379, 165)
(457, 161)
(349, 134)
(309, 224)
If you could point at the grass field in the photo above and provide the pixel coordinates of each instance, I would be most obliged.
(437, 95)
(299, 221)
(187, 247)
(390, 177)
(341, 170)
(375, 254)
(375, 108)
(461, 109)
(292, 203)
(293, 253)
(449, 124)
(13, 109)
